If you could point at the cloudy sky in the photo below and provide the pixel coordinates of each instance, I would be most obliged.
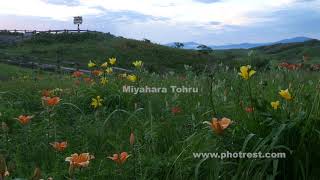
(212, 22)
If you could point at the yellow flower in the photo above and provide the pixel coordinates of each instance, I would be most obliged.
(91, 64)
(132, 78)
(112, 61)
(137, 64)
(104, 81)
(246, 72)
(285, 94)
(96, 102)
(275, 105)
(109, 70)
(104, 65)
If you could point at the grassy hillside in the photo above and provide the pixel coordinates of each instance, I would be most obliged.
(8, 72)
(97, 46)
(293, 52)
(79, 48)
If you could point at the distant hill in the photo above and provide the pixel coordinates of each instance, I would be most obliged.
(194, 45)
(294, 40)
(292, 52)
(80, 48)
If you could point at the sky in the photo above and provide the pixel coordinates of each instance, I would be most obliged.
(211, 22)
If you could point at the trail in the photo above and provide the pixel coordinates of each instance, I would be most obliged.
(53, 67)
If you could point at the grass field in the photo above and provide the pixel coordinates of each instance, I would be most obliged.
(96, 46)
(78, 48)
(160, 131)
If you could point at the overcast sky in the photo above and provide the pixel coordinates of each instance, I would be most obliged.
(212, 22)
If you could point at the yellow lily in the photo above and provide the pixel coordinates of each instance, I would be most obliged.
(96, 102)
(104, 81)
(246, 72)
(132, 78)
(104, 65)
(275, 105)
(91, 64)
(137, 64)
(109, 70)
(285, 94)
(112, 61)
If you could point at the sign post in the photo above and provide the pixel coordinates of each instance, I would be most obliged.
(78, 20)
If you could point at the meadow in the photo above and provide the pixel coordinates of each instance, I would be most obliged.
(66, 49)
(48, 117)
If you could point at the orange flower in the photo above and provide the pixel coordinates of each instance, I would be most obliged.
(88, 80)
(79, 160)
(176, 110)
(132, 138)
(120, 158)
(46, 93)
(290, 66)
(97, 72)
(219, 125)
(59, 146)
(51, 101)
(23, 119)
(249, 109)
(77, 74)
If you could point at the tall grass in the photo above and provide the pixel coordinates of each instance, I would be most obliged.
(165, 141)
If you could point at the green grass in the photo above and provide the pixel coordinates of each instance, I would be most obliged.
(80, 48)
(88, 46)
(164, 142)
(293, 52)
(11, 72)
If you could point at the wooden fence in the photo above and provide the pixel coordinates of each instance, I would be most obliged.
(48, 31)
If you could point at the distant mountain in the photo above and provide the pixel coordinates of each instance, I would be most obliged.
(194, 45)
(187, 45)
(294, 40)
(240, 46)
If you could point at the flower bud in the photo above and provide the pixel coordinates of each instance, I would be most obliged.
(132, 138)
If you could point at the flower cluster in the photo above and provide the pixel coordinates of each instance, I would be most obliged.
(289, 66)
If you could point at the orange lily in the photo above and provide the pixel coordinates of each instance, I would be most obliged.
(77, 74)
(97, 72)
(46, 93)
(176, 110)
(249, 109)
(51, 101)
(79, 160)
(88, 80)
(23, 119)
(219, 125)
(120, 158)
(59, 146)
